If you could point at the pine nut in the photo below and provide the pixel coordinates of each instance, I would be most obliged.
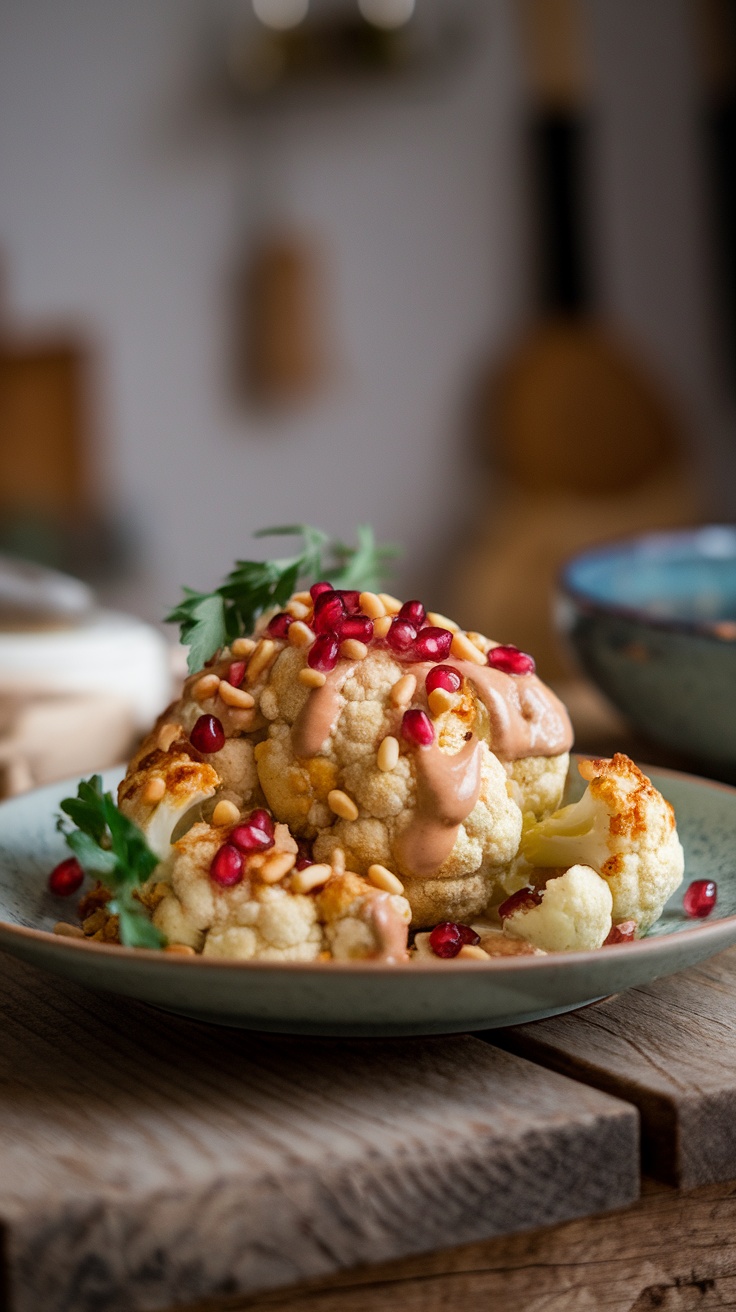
(380, 877)
(479, 640)
(236, 696)
(388, 754)
(337, 860)
(275, 867)
(303, 881)
(471, 952)
(206, 687)
(154, 791)
(371, 605)
(381, 626)
(300, 634)
(403, 690)
(297, 610)
(259, 749)
(312, 678)
(243, 646)
(68, 931)
(262, 657)
(341, 804)
(465, 650)
(304, 597)
(440, 700)
(225, 813)
(392, 604)
(353, 649)
(167, 736)
(180, 949)
(441, 621)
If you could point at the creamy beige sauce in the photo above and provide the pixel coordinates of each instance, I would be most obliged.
(390, 930)
(319, 715)
(526, 718)
(447, 790)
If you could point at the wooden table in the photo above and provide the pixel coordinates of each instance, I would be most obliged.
(150, 1162)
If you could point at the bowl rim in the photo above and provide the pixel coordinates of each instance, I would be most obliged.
(714, 631)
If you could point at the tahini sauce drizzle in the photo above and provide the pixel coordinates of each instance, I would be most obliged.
(447, 790)
(388, 927)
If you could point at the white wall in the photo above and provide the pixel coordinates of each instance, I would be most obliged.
(119, 208)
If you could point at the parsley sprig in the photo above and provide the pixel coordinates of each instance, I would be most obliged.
(111, 848)
(210, 620)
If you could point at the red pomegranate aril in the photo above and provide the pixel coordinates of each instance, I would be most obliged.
(323, 653)
(207, 735)
(509, 660)
(262, 820)
(251, 838)
(700, 898)
(317, 589)
(414, 612)
(417, 727)
(401, 636)
(444, 676)
(622, 933)
(305, 857)
(66, 878)
(236, 673)
(432, 644)
(329, 612)
(356, 626)
(279, 625)
(350, 600)
(524, 900)
(448, 938)
(227, 866)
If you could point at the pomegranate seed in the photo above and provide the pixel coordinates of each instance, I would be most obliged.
(448, 938)
(432, 644)
(66, 878)
(251, 838)
(417, 727)
(236, 673)
(700, 898)
(305, 857)
(208, 734)
(443, 676)
(329, 612)
(317, 589)
(401, 636)
(357, 626)
(524, 900)
(510, 660)
(262, 820)
(227, 866)
(323, 653)
(350, 600)
(621, 933)
(414, 612)
(279, 626)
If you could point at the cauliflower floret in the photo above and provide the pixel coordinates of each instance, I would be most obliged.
(625, 830)
(186, 785)
(574, 914)
(361, 921)
(538, 782)
(360, 716)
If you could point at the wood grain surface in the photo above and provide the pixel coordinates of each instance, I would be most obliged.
(670, 1252)
(147, 1161)
(670, 1048)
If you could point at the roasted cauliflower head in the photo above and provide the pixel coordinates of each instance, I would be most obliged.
(381, 739)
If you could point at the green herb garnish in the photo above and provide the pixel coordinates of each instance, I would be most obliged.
(112, 849)
(210, 620)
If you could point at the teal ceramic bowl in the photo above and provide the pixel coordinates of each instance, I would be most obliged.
(368, 999)
(653, 622)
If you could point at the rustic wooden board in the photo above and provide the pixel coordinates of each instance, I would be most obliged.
(670, 1048)
(147, 1161)
(671, 1252)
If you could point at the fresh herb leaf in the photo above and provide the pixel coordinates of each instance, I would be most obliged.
(110, 847)
(209, 620)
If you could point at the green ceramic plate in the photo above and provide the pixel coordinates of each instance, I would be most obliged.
(369, 998)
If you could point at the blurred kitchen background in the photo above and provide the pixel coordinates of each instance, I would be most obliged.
(465, 269)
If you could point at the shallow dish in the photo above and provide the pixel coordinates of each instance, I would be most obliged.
(653, 622)
(369, 999)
